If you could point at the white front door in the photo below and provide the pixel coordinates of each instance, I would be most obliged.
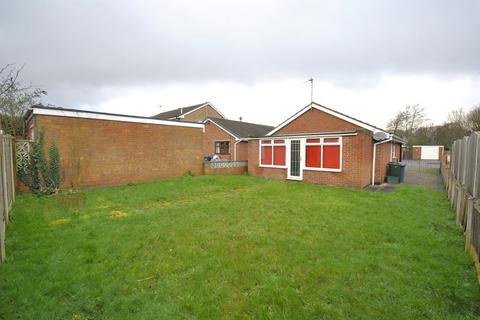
(429, 153)
(295, 167)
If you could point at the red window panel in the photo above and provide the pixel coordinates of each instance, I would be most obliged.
(330, 140)
(331, 157)
(313, 155)
(279, 155)
(279, 141)
(266, 155)
(266, 141)
(313, 140)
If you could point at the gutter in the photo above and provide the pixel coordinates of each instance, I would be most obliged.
(374, 156)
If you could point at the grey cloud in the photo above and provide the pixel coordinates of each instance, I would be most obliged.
(73, 48)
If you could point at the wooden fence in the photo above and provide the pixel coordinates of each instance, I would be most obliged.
(7, 186)
(461, 175)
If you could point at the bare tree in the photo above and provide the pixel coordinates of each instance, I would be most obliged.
(8, 77)
(473, 118)
(458, 117)
(15, 99)
(407, 121)
(397, 122)
(416, 116)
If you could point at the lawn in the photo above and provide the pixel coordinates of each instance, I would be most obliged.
(236, 247)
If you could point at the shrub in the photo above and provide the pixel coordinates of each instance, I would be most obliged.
(42, 175)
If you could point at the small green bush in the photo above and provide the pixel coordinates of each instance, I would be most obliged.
(42, 175)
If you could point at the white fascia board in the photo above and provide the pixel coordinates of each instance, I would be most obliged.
(284, 123)
(309, 135)
(383, 141)
(348, 119)
(330, 112)
(211, 121)
(120, 118)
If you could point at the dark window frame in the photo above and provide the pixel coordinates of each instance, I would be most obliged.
(223, 147)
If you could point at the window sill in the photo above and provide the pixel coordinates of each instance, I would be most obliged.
(272, 166)
(322, 169)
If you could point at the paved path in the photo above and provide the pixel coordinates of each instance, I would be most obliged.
(424, 173)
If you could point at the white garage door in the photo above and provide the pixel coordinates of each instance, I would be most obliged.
(429, 153)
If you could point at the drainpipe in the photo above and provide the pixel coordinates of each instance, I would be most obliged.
(374, 157)
(235, 150)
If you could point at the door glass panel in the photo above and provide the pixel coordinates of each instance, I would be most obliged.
(295, 158)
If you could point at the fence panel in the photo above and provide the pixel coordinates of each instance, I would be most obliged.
(2, 206)
(476, 164)
(470, 163)
(463, 184)
(7, 186)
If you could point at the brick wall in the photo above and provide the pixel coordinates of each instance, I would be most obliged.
(416, 153)
(99, 152)
(397, 152)
(255, 170)
(208, 171)
(29, 127)
(214, 133)
(382, 157)
(201, 114)
(315, 120)
(242, 150)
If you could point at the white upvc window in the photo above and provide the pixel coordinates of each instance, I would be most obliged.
(272, 153)
(323, 154)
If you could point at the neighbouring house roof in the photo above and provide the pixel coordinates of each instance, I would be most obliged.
(337, 114)
(181, 112)
(76, 113)
(240, 129)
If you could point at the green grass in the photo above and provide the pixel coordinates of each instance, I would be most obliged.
(236, 247)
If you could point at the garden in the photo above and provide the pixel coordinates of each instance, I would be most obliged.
(236, 247)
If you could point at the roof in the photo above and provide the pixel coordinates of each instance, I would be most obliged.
(337, 114)
(329, 111)
(77, 113)
(181, 112)
(240, 129)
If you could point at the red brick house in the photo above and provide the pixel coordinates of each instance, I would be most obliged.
(229, 138)
(196, 113)
(320, 145)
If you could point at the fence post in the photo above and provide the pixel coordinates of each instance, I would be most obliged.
(6, 203)
(2, 239)
(2, 204)
(12, 167)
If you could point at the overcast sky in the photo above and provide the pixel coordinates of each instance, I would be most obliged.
(248, 58)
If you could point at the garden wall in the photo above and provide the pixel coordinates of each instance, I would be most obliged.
(97, 152)
(225, 167)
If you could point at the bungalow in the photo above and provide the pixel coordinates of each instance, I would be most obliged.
(229, 138)
(196, 113)
(320, 145)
